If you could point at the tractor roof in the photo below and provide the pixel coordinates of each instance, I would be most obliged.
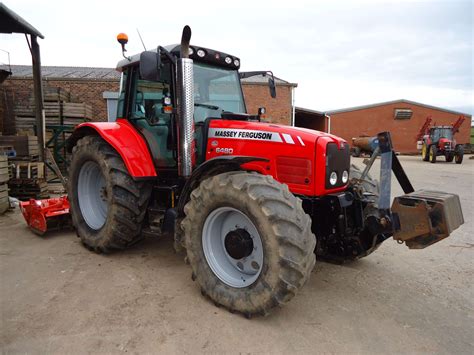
(211, 57)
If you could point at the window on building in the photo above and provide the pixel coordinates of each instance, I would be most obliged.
(112, 100)
(403, 113)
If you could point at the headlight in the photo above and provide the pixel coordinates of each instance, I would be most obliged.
(333, 178)
(191, 51)
(201, 53)
(345, 176)
(228, 60)
(236, 62)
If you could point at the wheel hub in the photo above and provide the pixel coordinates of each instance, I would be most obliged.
(238, 243)
(92, 195)
(232, 246)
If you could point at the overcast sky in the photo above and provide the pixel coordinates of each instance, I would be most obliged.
(340, 53)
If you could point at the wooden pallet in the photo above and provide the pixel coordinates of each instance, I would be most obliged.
(29, 158)
(7, 150)
(4, 202)
(56, 94)
(4, 173)
(55, 110)
(28, 170)
(23, 145)
(24, 189)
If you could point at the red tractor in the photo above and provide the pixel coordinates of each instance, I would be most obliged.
(252, 204)
(439, 140)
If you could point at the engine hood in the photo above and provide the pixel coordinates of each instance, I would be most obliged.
(287, 134)
(295, 156)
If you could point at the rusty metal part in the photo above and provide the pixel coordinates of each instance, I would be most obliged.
(426, 217)
(362, 142)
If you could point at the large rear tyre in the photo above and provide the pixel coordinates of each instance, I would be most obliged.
(248, 241)
(424, 152)
(433, 153)
(107, 205)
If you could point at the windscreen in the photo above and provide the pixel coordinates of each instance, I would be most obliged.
(442, 133)
(216, 90)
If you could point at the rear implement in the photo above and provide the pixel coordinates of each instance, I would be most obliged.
(46, 215)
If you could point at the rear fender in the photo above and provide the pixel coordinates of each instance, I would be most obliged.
(125, 139)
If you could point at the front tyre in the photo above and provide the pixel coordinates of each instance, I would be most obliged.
(107, 205)
(248, 241)
(449, 157)
(459, 154)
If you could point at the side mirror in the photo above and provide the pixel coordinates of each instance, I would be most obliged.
(150, 65)
(272, 86)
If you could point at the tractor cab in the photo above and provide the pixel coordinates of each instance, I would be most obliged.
(148, 93)
(439, 132)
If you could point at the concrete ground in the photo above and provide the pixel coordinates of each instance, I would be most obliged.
(57, 297)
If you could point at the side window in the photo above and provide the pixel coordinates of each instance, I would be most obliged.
(148, 101)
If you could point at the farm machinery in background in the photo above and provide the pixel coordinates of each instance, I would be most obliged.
(251, 204)
(363, 145)
(439, 140)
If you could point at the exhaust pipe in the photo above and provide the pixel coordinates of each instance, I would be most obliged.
(185, 91)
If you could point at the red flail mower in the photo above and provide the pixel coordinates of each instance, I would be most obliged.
(46, 215)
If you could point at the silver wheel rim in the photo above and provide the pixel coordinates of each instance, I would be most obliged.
(220, 229)
(92, 195)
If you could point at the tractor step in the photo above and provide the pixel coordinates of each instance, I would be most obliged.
(426, 217)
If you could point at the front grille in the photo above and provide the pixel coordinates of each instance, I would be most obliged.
(292, 170)
(337, 160)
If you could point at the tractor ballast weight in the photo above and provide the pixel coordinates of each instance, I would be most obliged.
(250, 203)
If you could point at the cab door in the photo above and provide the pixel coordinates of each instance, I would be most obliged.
(145, 112)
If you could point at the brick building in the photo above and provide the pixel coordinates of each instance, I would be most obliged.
(403, 118)
(98, 87)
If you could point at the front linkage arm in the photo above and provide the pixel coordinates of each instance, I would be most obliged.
(418, 218)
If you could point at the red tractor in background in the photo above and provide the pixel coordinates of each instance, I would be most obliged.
(251, 203)
(439, 140)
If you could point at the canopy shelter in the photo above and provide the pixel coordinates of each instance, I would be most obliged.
(10, 22)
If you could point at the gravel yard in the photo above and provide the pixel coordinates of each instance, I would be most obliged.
(57, 297)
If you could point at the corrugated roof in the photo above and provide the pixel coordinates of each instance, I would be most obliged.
(403, 101)
(54, 72)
